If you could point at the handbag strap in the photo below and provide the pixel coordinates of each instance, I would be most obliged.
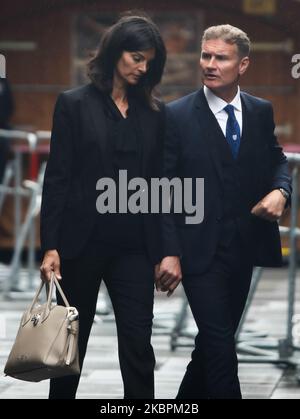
(60, 290)
(49, 293)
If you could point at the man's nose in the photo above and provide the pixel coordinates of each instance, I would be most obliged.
(211, 63)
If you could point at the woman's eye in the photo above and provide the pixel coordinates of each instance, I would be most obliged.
(136, 59)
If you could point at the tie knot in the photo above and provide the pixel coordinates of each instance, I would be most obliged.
(229, 109)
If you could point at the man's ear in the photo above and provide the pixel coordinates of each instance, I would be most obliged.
(244, 64)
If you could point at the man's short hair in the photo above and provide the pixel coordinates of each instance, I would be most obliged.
(231, 35)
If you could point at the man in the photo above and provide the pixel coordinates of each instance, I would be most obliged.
(226, 137)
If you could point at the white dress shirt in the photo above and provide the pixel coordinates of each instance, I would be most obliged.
(217, 106)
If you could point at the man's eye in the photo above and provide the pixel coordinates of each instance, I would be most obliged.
(136, 58)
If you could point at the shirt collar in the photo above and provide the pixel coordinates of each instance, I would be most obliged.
(217, 104)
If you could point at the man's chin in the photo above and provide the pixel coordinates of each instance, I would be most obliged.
(212, 84)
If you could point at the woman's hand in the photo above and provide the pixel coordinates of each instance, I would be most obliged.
(50, 264)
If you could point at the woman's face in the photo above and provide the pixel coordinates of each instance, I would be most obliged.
(133, 65)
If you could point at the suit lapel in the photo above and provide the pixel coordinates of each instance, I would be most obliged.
(209, 132)
(145, 126)
(250, 126)
(95, 109)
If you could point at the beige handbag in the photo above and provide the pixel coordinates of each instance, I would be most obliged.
(46, 345)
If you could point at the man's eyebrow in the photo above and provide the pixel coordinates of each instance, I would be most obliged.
(216, 54)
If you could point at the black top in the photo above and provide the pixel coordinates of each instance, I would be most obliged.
(124, 151)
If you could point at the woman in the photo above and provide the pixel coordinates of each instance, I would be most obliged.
(109, 125)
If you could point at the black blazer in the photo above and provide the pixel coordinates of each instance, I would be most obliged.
(78, 158)
(191, 151)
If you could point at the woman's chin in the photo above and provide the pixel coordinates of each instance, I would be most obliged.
(133, 81)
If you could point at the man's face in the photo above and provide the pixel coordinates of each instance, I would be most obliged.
(221, 65)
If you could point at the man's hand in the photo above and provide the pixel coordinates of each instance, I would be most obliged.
(271, 207)
(51, 263)
(168, 274)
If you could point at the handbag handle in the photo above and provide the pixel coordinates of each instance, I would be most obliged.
(56, 282)
(49, 293)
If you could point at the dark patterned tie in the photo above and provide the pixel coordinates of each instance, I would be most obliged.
(233, 132)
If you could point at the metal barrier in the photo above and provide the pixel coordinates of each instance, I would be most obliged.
(254, 347)
(22, 142)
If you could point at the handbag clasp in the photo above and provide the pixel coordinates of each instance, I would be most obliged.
(35, 319)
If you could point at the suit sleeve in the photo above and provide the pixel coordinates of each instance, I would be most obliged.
(57, 176)
(171, 243)
(279, 165)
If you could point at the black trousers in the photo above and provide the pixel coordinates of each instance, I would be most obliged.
(129, 278)
(217, 299)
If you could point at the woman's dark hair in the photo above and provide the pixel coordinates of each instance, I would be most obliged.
(130, 33)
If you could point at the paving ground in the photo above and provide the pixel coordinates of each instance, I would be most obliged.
(101, 377)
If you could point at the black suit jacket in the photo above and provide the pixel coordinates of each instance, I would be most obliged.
(191, 151)
(78, 158)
